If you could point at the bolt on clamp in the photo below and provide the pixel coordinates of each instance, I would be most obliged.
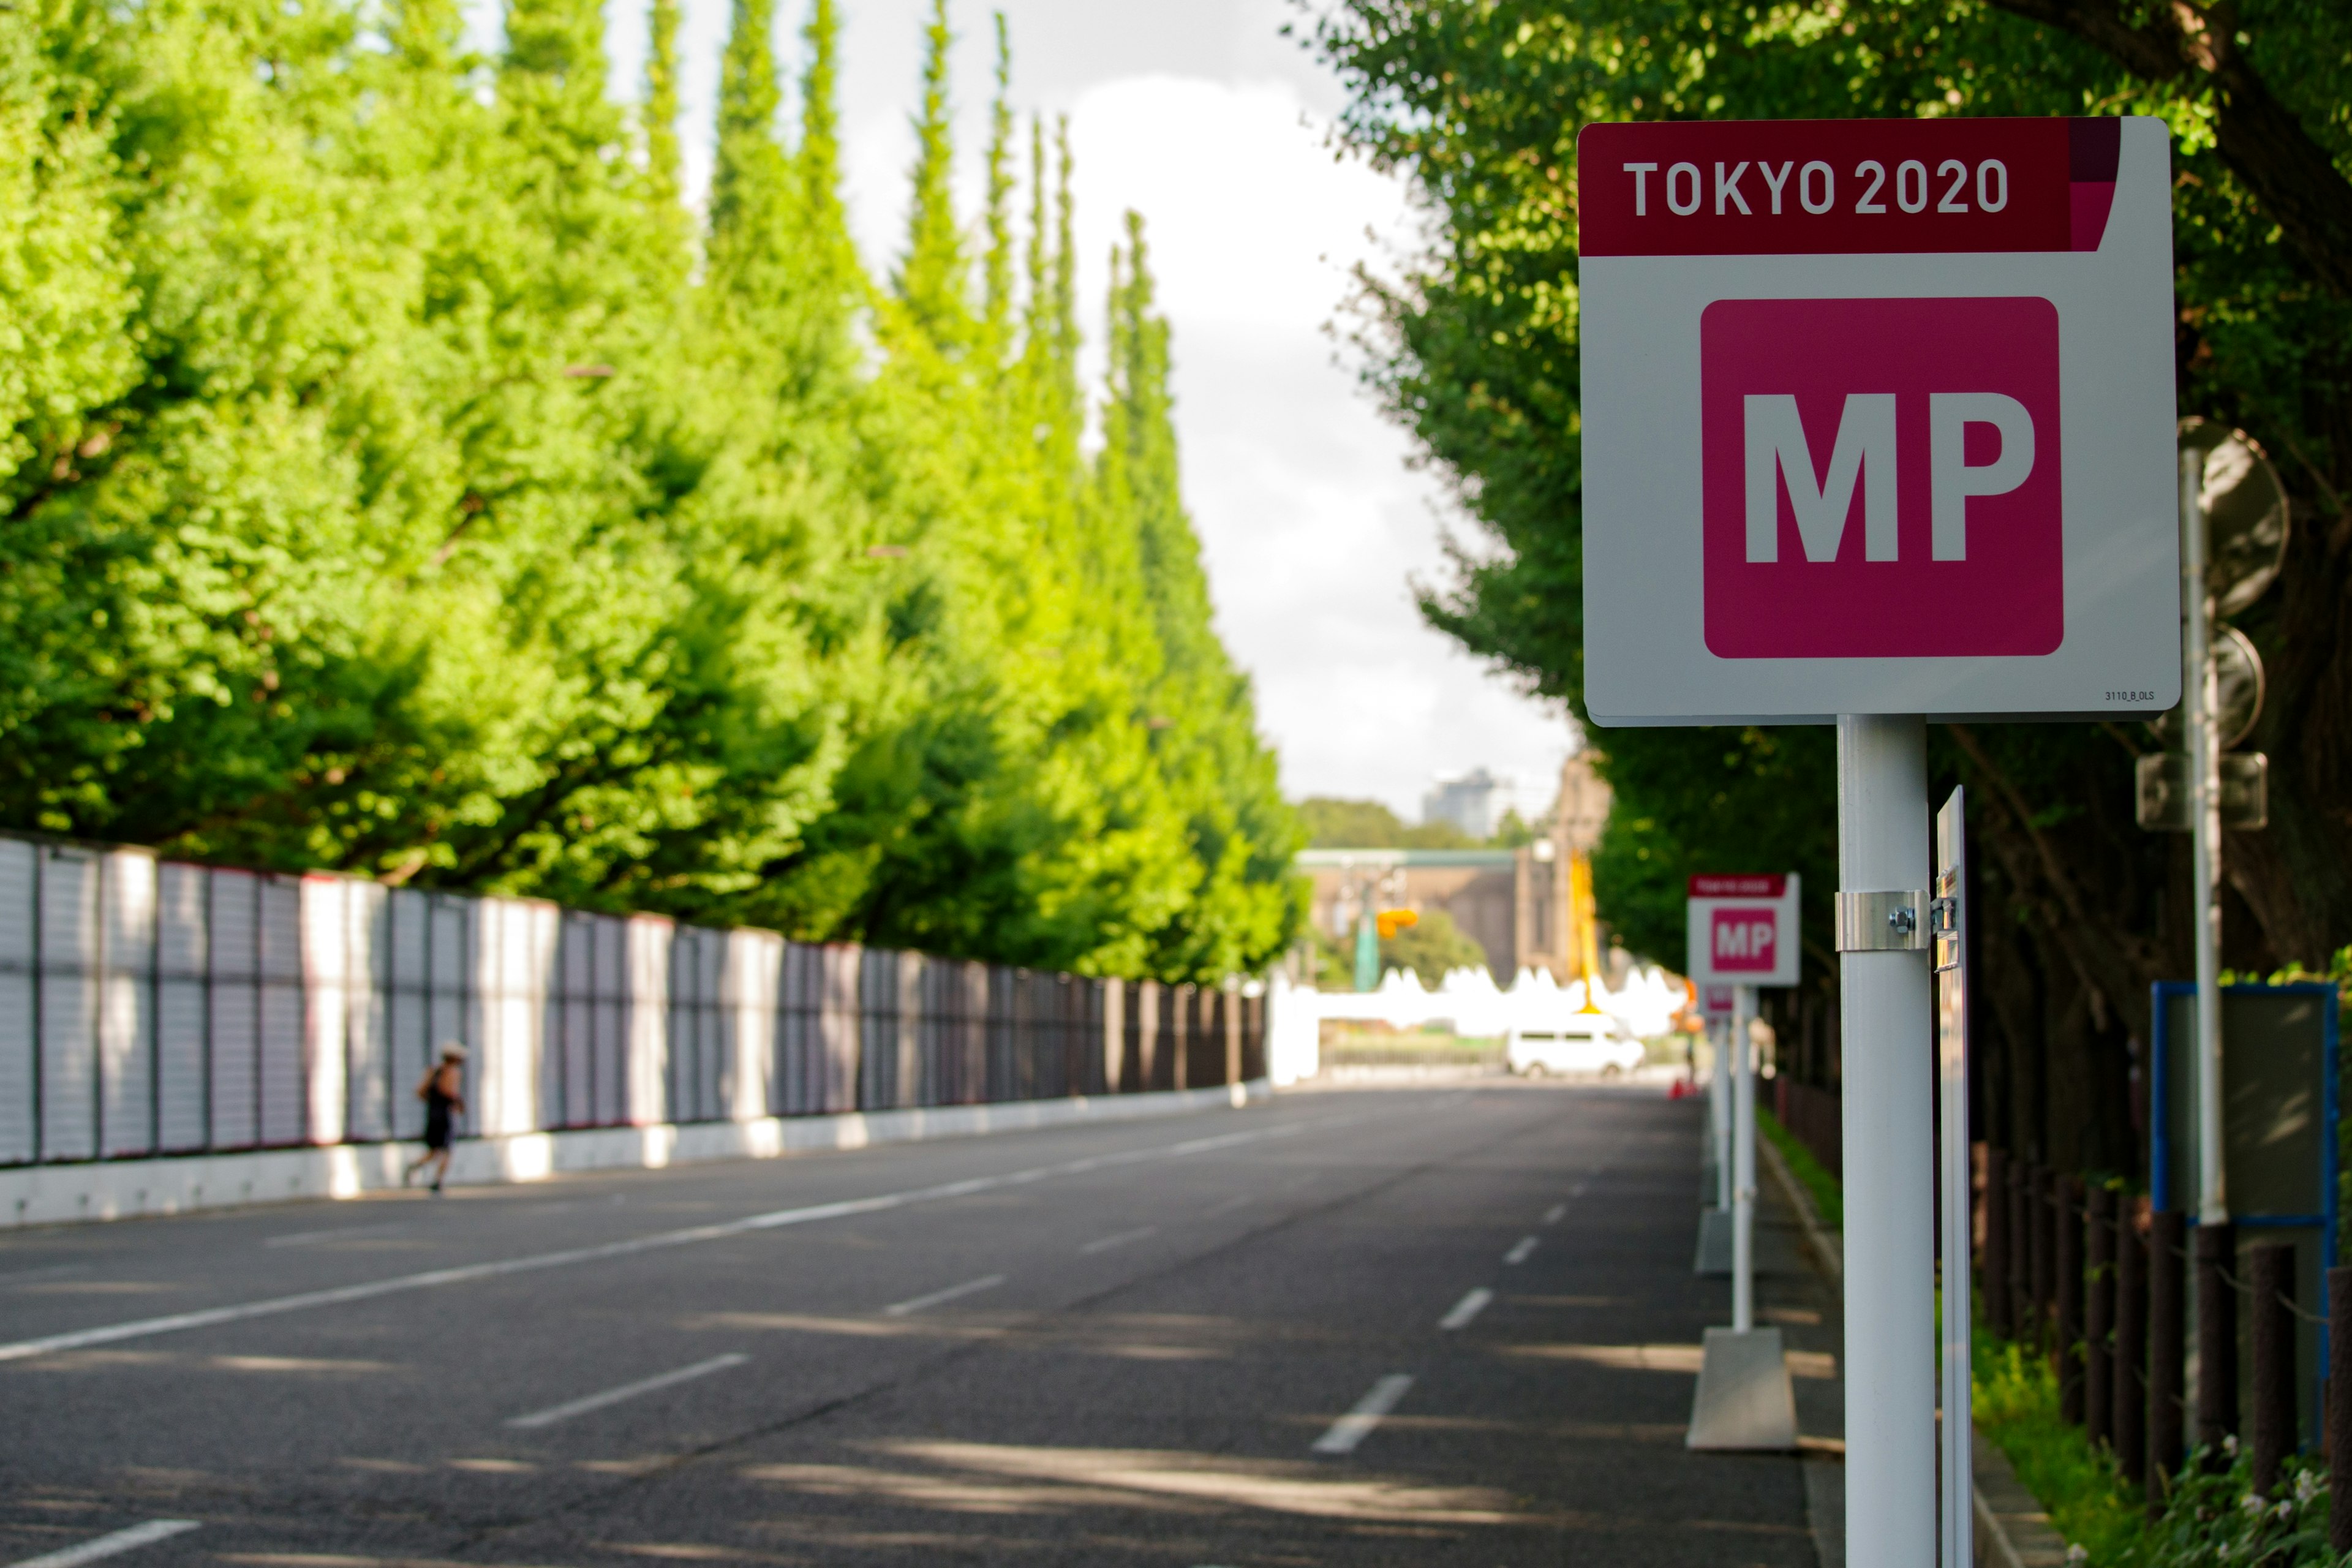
(1881, 922)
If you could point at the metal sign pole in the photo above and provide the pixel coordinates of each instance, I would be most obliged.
(2199, 698)
(1743, 1160)
(1719, 1107)
(1888, 1016)
(1950, 923)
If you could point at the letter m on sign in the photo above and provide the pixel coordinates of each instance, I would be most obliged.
(1778, 453)
(1744, 939)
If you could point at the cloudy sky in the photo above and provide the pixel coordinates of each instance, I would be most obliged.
(1199, 114)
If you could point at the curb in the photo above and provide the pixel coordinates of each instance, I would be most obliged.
(1829, 1250)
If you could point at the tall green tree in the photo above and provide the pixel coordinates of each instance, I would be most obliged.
(1479, 101)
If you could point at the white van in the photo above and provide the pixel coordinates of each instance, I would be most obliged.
(1579, 1043)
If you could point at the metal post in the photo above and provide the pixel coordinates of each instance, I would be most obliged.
(2168, 1349)
(2199, 698)
(1996, 1242)
(2339, 1406)
(2217, 1340)
(2069, 1216)
(1949, 926)
(2128, 1427)
(1743, 1160)
(2044, 1209)
(2099, 1320)
(2269, 1272)
(1719, 1108)
(1890, 1266)
(2022, 1325)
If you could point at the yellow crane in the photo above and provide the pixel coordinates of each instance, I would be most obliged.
(1584, 947)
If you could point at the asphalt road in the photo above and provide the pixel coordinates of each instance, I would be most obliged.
(1130, 1344)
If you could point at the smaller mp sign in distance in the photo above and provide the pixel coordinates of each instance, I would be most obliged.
(1877, 418)
(1743, 931)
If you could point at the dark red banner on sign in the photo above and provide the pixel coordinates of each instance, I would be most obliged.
(1738, 887)
(1791, 187)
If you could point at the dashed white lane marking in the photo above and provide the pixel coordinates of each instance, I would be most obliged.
(937, 1297)
(143, 1328)
(1357, 1425)
(1467, 1308)
(1520, 1252)
(1552, 1215)
(1121, 1240)
(129, 1539)
(581, 1406)
(308, 1237)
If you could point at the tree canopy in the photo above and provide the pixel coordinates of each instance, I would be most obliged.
(401, 480)
(1475, 348)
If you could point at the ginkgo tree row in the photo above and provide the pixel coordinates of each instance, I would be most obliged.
(401, 479)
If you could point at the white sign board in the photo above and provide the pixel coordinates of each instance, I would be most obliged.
(1877, 418)
(1743, 931)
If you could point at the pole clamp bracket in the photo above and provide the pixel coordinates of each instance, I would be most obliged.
(1882, 923)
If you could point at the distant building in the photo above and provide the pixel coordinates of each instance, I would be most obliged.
(1474, 802)
(1512, 902)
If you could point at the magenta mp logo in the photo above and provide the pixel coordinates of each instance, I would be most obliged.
(1881, 478)
(1743, 939)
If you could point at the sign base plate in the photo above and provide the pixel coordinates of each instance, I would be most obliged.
(1744, 1401)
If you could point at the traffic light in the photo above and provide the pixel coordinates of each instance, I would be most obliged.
(1392, 921)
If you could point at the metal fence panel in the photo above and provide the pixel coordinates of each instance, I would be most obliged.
(68, 1003)
(20, 1079)
(408, 966)
(183, 1009)
(844, 964)
(325, 956)
(646, 1028)
(232, 914)
(701, 956)
(126, 1003)
(452, 1011)
(608, 1032)
(367, 1045)
(797, 995)
(878, 1019)
(283, 1068)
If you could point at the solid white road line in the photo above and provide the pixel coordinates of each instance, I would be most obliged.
(1552, 1214)
(138, 1535)
(565, 1412)
(1121, 1240)
(1467, 1308)
(1357, 1425)
(968, 1288)
(1518, 1254)
(114, 1333)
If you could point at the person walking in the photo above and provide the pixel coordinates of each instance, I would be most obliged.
(442, 1089)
